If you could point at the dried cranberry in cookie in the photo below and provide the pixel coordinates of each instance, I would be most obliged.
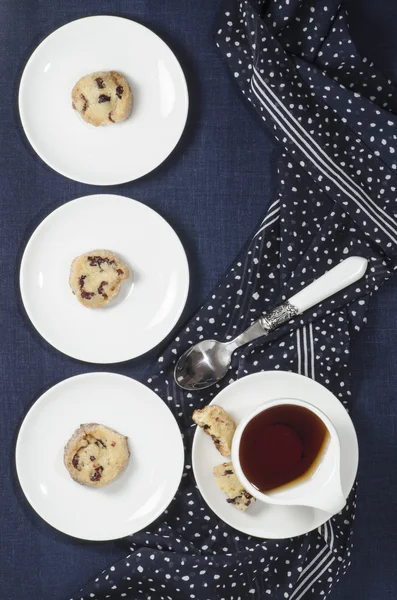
(95, 455)
(96, 276)
(228, 483)
(102, 98)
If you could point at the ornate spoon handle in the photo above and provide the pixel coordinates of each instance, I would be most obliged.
(335, 280)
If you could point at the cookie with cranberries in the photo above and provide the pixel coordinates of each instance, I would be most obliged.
(95, 455)
(102, 98)
(96, 276)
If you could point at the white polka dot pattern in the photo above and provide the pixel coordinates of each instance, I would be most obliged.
(295, 63)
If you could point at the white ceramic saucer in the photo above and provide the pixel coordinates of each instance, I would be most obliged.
(140, 494)
(116, 153)
(150, 302)
(241, 398)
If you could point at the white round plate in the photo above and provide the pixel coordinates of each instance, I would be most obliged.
(239, 399)
(139, 495)
(116, 153)
(150, 302)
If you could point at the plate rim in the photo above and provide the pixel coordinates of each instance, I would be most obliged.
(291, 375)
(36, 232)
(47, 160)
(24, 424)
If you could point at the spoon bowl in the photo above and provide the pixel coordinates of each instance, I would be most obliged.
(203, 364)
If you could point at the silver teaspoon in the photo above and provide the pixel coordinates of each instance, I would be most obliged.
(207, 362)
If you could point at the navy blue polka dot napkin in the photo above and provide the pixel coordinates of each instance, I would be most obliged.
(332, 113)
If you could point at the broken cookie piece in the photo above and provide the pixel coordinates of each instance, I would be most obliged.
(96, 276)
(95, 455)
(215, 421)
(228, 483)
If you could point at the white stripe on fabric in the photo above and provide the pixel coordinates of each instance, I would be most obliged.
(332, 166)
(316, 558)
(270, 214)
(310, 574)
(306, 354)
(310, 585)
(313, 562)
(312, 349)
(267, 225)
(298, 349)
(273, 205)
(331, 544)
(325, 532)
(311, 158)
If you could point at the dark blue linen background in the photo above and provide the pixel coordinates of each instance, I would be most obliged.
(213, 189)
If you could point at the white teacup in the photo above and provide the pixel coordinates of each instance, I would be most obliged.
(321, 488)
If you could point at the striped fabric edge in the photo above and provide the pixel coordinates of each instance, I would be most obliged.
(314, 570)
(272, 210)
(273, 214)
(305, 343)
(294, 136)
(338, 171)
